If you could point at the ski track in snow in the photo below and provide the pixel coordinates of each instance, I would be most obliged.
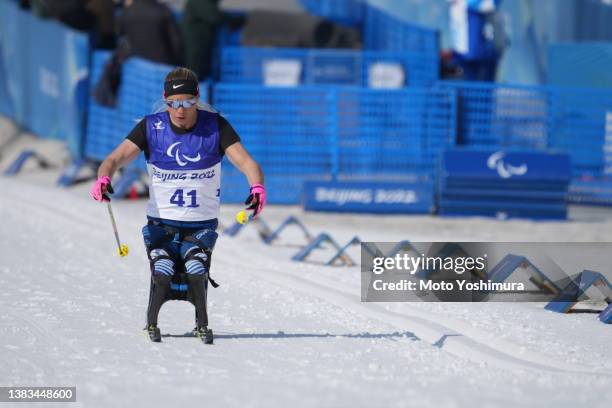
(286, 333)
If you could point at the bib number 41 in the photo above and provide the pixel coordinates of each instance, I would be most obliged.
(179, 199)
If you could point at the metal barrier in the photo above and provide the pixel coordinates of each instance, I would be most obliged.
(322, 133)
(102, 122)
(383, 32)
(343, 11)
(577, 121)
(317, 130)
(390, 134)
(581, 124)
(493, 115)
(141, 91)
(292, 66)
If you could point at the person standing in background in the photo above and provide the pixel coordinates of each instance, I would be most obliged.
(477, 38)
(200, 21)
(73, 13)
(151, 32)
(105, 32)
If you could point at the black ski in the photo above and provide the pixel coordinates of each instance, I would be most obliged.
(208, 339)
(154, 334)
(205, 334)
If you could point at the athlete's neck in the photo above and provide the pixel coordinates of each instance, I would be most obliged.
(185, 126)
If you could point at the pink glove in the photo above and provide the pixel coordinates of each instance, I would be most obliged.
(100, 188)
(256, 199)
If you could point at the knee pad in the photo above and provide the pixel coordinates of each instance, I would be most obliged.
(197, 261)
(196, 250)
(205, 238)
(154, 236)
(161, 263)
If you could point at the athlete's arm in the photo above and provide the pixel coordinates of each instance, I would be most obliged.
(124, 154)
(239, 157)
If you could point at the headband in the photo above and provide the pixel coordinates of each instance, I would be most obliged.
(181, 86)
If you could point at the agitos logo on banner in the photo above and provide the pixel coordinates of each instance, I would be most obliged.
(505, 170)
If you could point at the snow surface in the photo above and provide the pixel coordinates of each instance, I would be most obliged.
(287, 333)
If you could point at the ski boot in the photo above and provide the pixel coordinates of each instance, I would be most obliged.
(205, 334)
(154, 333)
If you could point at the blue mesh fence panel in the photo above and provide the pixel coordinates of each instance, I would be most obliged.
(319, 66)
(286, 131)
(501, 115)
(383, 32)
(140, 94)
(247, 64)
(142, 86)
(582, 125)
(577, 121)
(344, 11)
(102, 122)
(393, 134)
(310, 133)
(422, 68)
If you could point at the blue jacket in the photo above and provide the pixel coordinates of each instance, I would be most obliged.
(473, 29)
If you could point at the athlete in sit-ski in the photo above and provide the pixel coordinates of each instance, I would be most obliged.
(183, 147)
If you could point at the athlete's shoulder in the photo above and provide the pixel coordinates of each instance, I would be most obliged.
(207, 115)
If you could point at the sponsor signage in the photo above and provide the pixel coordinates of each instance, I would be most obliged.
(369, 197)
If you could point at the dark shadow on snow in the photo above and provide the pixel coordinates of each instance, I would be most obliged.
(283, 335)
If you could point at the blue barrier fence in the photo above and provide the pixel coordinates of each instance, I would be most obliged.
(294, 67)
(576, 121)
(323, 133)
(308, 132)
(342, 11)
(582, 126)
(492, 115)
(102, 121)
(43, 88)
(381, 31)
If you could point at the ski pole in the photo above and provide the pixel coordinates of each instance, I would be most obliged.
(122, 249)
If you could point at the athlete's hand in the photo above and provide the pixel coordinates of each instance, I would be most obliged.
(100, 188)
(256, 199)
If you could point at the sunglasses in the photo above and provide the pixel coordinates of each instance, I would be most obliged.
(187, 103)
